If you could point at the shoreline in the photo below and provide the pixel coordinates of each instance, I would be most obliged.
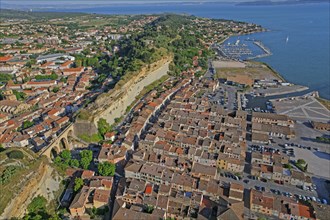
(275, 73)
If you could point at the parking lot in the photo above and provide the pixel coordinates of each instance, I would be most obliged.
(251, 182)
(225, 96)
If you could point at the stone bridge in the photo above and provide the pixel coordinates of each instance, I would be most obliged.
(61, 142)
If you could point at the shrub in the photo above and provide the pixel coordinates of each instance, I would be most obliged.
(15, 154)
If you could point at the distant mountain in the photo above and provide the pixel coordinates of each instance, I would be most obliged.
(287, 2)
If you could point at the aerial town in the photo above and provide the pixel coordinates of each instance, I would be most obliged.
(143, 117)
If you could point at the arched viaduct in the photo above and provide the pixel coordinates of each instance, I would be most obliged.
(61, 142)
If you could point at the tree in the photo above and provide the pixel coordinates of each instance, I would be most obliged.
(288, 166)
(305, 168)
(27, 124)
(301, 161)
(55, 89)
(106, 169)
(66, 155)
(84, 163)
(87, 154)
(86, 158)
(74, 163)
(103, 126)
(37, 204)
(78, 183)
(15, 154)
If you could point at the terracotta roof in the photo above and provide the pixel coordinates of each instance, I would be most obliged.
(5, 58)
(148, 189)
(101, 195)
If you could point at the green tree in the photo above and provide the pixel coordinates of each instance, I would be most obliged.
(84, 163)
(301, 161)
(78, 184)
(74, 163)
(66, 155)
(55, 89)
(26, 124)
(87, 154)
(37, 204)
(106, 169)
(103, 126)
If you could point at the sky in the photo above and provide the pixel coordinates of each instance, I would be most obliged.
(113, 1)
(44, 4)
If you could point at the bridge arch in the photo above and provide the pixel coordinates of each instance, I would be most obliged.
(63, 141)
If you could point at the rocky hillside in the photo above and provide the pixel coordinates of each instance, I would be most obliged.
(113, 104)
(23, 177)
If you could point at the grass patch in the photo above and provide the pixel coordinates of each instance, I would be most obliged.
(94, 138)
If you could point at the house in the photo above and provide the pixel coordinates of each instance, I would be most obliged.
(86, 174)
(77, 207)
(39, 84)
(271, 118)
(321, 126)
(203, 171)
(69, 71)
(62, 121)
(235, 165)
(236, 191)
(13, 107)
(101, 198)
(112, 154)
(260, 138)
(110, 136)
(297, 178)
(277, 173)
(262, 203)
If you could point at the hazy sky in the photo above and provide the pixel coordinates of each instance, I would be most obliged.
(113, 1)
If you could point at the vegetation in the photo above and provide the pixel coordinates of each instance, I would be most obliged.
(7, 174)
(323, 140)
(78, 184)
(94, 138)
(15, 154)
(86, 158)
(106, 169)
(4, 77)
(287, 166)
(38, 210)
(84, 114)
(20, 96)
(93, 212)
(55, 89)
(301, 164)
(103, 126)
(149, 209)
(27, 124)
(52, 76)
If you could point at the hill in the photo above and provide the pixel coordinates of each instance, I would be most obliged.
(24, 176)
(15, 14)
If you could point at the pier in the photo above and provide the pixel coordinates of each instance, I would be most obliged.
(241, 51)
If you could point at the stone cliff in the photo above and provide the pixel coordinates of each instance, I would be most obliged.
(113, 104)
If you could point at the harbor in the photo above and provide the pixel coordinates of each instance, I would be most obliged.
(241, 50)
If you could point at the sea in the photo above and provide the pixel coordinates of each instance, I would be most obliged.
(298, 35)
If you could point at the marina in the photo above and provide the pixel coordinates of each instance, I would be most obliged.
(246, 49)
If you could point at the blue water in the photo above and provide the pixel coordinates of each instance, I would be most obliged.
(304, 59)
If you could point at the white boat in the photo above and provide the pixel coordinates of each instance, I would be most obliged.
(287, 39)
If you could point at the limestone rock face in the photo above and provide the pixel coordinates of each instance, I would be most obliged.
(113, 104)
